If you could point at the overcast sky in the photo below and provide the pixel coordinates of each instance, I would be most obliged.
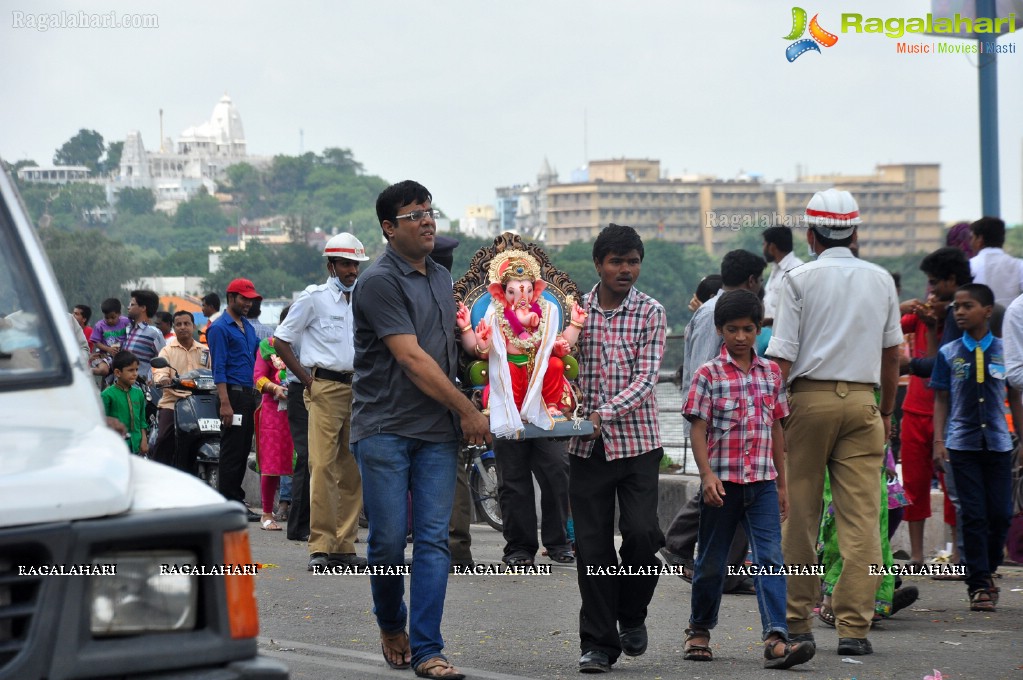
(468, 95)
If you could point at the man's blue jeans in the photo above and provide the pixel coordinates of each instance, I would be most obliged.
(755, 506)
(391, 466)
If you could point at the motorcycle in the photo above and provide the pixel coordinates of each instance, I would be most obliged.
(483, 486)
(196, 422)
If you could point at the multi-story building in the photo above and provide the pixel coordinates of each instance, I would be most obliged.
(899, 204)
(522, 208)
(478, 221)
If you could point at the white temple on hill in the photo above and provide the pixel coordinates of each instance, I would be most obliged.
(176, 172)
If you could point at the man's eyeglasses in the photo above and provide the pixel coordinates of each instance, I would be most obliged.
(418, 215)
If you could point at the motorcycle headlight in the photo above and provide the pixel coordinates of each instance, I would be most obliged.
(143, 595)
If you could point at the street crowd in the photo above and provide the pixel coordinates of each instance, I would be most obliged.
(792, 391)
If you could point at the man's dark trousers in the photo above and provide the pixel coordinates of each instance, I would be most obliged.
(298, 421)
(236, 442)
(607, 600)
(517, 462)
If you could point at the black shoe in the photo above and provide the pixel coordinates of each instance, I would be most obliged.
(462, 566)
(594, 661)
(346, 560)
(802, 637)
(904, 597)
(562, 557)
(318, 562)
(854, 647)
(253, 516)
(745, 587)
(673, 559)
(682, 565)
(298, 538)
(634, 640)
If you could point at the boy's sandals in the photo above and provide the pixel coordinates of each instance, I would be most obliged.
(269, 525)
(438, 667)
(697, 652)
(793, 653)
(983, 600)
(827, 615)
(395, 648)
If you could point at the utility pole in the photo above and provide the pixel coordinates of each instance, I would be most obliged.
(987, 78)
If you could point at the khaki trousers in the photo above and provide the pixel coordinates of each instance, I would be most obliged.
(840, 430)
(335, 486)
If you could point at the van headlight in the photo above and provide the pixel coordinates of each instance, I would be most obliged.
(147, 592)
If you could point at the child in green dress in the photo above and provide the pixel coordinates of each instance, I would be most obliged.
(126, 402)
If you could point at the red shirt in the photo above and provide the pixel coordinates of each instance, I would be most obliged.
(739, 409)
(919, 397)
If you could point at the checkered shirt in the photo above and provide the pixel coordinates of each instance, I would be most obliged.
(619, 358)
(739, 409)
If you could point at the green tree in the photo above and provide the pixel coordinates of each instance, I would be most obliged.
(288, 174)
(913, 281)
(1014, 241)
(112, 162)
(37, 198)
(89, 270)
(136, 201)
(277, 271)
(247, 185)
(191, 262)
(202, 210)
(71, 207)
(85, 148)
(343, 160)
(18, 165)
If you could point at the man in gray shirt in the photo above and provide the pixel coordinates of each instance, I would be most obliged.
(404, 433)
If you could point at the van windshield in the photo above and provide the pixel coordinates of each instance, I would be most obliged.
(30, 354)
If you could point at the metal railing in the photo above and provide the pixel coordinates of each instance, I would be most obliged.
(669, 406)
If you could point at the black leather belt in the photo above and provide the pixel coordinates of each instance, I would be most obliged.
(337, 376)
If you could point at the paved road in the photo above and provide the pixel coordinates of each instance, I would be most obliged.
(512, 627)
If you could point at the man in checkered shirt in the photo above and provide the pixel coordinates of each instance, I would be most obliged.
(620, 350)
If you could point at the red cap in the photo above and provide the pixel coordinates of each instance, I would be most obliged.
(244, 288)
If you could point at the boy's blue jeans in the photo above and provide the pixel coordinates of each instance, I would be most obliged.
(391, 466)
(984, 482)
(755, 506)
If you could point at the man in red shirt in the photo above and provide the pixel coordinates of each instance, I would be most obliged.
(946, 270)
(82, 314)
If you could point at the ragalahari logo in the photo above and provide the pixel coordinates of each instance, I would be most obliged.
(818, 35)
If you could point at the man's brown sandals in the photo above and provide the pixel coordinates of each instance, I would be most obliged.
(695, 651)
(791, 653)
(395, 648)
(438, 667)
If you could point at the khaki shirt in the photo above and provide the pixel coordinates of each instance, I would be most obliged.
(182, 360)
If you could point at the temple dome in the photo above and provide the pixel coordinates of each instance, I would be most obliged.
(222, 134)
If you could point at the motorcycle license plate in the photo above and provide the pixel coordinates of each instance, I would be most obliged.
(209, 425)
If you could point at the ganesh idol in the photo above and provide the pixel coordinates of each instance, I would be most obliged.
(520, 336)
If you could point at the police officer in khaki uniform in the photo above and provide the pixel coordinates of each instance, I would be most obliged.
(321, 321)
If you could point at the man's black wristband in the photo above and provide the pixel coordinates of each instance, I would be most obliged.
(887, 415)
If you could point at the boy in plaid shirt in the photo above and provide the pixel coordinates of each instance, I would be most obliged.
(735, 404)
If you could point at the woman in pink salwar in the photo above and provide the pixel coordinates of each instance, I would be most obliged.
(274, 448)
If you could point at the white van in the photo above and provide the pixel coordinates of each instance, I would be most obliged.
(101, 551)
